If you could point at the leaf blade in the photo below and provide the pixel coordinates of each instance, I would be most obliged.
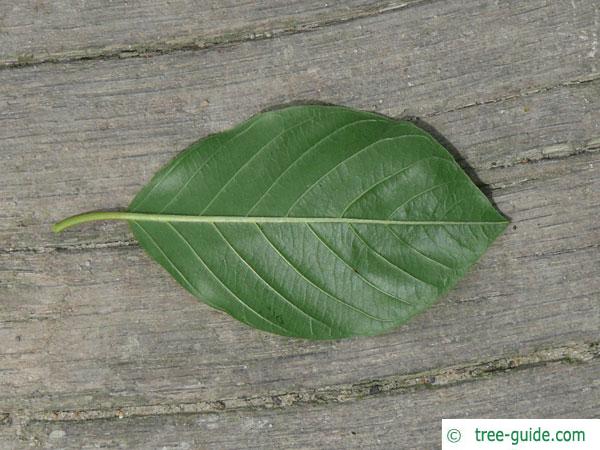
(329, 222)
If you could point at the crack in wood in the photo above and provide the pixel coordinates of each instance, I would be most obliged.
(589, 78)
(72, 247)
(554, 152)
(199, 42)
(578, 353)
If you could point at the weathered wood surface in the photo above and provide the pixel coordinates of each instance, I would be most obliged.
(410, 419)
(42, 31)
(92, 329)
(109, 316)
(128, 117)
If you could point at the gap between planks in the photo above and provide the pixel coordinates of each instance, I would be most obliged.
(199, 42)
(574, 353)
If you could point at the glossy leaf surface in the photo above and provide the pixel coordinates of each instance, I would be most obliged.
(315, 221)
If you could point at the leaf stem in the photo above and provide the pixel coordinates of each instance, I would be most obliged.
(149, 217)
(94, 216)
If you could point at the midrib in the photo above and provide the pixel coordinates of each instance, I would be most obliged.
(149, 217)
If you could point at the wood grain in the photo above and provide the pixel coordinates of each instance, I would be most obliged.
(94, 131)
(37, 31)
(105, 327)
(90, 326)
(408, 419)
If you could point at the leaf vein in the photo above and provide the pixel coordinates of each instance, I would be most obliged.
(426, 191)
(443, 216)
(374, 251)
(169, 260)
(383, 180)
(305, 152)
(337, 299)
(246, 305)
(416, 250)
(198, 169)
(356, 273)
(344, 161)
(245, 261)
(266, 145)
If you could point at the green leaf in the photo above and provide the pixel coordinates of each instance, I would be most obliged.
(314, 221)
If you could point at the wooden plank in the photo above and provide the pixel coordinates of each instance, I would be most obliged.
(36, 31)
(406, 419)
(105, 327)
(89, 323)
(88, 135)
